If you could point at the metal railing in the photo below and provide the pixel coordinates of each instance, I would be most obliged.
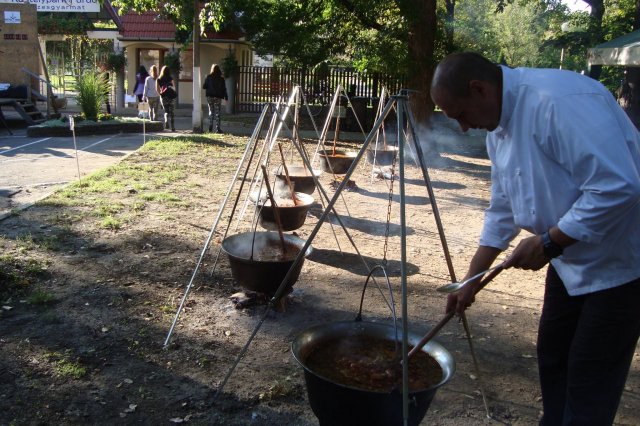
(43, 86)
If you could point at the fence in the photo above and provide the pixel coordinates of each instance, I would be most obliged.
(258, 85)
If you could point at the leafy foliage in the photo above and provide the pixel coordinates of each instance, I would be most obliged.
(172, 61)
(116, 61)
(229, 65)
(211, 16)
(92, 93)
(53, 23)
(371, 34)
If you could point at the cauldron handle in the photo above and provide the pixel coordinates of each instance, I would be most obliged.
(393, 305)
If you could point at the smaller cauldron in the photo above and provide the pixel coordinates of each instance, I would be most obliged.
(301, 178)
(258, 263)
(291, 217)
(337, 163)
(383, 157)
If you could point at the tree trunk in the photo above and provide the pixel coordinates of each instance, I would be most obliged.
(597, 12)
(450, 7)
(421, 45)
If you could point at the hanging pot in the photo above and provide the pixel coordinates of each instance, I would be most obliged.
(301, 178)
(338, 162)
(257, 260)
(338, 404)
(291, 216)
(382, 157)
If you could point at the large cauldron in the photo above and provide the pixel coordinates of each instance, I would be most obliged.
(336, 405)
(252, 262)
(291, 217)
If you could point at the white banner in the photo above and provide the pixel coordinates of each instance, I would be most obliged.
(60, 5)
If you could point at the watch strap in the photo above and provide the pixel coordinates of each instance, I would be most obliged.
(550, 248)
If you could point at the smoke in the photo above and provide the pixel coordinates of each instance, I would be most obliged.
(443, 135)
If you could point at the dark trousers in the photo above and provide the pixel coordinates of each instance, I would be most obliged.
(585, 347)
(214, 111)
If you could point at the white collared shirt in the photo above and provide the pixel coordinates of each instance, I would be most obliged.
(566, 154)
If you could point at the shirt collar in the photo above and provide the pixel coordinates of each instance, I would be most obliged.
(509, 95)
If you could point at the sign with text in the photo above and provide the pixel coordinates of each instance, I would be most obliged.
(60, 5)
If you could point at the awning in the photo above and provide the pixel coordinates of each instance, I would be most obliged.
(623, 51)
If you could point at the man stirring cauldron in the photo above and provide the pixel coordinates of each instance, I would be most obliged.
(565, 166)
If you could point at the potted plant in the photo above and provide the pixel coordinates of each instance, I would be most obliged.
(172, 61)
(116, 61)
(229, 65)
(230, 69)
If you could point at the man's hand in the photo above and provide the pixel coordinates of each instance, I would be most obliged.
(529, 254)
(461, 299)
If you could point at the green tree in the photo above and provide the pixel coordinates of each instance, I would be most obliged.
(521, 47)
(396, 36)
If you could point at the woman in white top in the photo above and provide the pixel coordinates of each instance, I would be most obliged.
(150, 93)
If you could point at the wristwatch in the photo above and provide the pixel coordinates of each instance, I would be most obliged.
(550, 248)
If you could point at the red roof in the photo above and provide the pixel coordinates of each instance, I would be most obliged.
(148, 26)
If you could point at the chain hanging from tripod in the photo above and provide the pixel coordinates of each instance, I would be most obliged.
(389, 202)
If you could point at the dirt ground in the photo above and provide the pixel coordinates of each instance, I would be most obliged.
(95, 354)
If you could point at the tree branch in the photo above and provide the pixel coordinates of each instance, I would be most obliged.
(365, 20)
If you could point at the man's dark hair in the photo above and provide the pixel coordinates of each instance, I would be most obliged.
(455, 72)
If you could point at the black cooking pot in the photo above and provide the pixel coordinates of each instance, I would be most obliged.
(291, 217)
(382, 157)
(338, 163)
(301, 178)
(336, 404)
(252, 265)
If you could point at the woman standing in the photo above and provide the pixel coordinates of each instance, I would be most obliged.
(150, 93)
(216, 90)
(164, 86)
(141, 76)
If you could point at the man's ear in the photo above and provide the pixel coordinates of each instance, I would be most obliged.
(477, 87)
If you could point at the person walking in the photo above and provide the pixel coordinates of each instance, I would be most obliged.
(216, 91)
(565, 166)
(150, 93)
(164, 86)
(141, 76)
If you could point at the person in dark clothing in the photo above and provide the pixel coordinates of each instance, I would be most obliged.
(141, 76)
(167, 96)
(216, 91)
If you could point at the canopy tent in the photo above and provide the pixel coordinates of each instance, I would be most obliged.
(624, 51)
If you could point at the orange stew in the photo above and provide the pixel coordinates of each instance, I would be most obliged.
(371, 364)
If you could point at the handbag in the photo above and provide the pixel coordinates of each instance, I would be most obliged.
(169, 93)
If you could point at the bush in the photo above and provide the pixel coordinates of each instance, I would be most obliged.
(172, 61)
(230, 67)
(116, 62)
(92, 94)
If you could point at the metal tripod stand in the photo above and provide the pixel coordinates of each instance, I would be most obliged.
(404, 117)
